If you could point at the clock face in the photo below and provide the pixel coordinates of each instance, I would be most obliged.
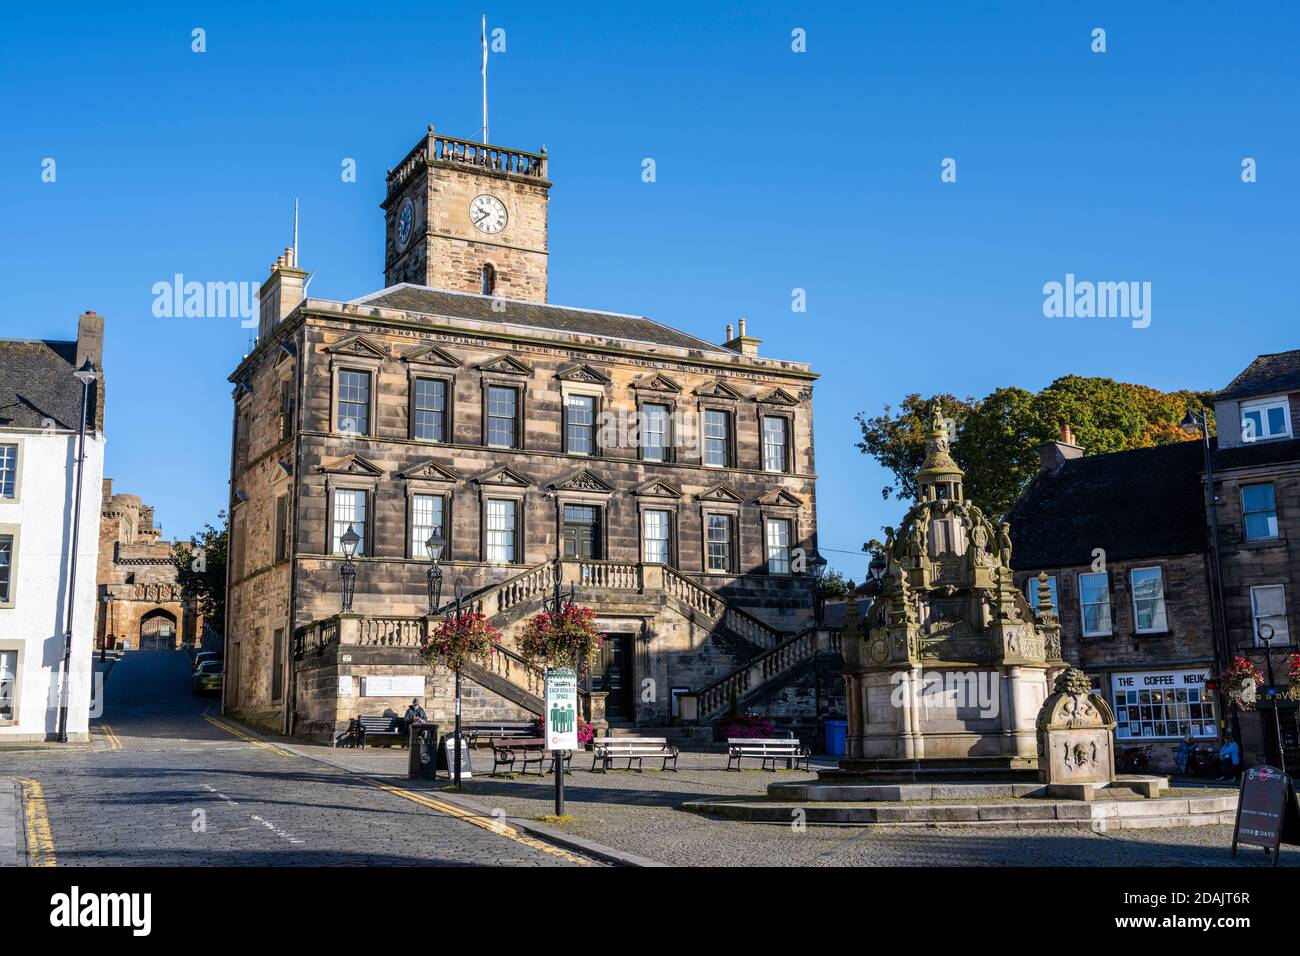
(488, 214)
(405, 223)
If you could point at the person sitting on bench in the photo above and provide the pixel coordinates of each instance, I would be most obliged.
(414, 714)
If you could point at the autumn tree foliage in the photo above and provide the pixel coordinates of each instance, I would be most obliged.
(996, 438)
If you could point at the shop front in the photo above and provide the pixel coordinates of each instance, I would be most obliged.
(1157, 708)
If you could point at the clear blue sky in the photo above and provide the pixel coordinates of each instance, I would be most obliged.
(776, 170)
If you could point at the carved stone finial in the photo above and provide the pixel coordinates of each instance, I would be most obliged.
(1072, 681)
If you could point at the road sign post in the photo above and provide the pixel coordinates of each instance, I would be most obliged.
(561, 717)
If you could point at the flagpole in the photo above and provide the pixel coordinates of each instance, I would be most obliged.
(485, 59)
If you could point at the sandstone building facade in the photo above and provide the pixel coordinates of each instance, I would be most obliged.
(141, 606)
(670, 480)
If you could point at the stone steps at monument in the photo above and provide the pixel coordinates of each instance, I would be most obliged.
(1097, 816)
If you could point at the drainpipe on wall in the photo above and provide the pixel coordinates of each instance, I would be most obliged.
(86, 374)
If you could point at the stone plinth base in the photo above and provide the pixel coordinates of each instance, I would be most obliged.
(993, 768)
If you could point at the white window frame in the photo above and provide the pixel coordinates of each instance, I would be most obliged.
(11, 531)
(17, 495)
(572, 429)
(15, 683)
(1084, 604)
(419, 533)
(516, 423)
(1031, 593)
(707, 440)
(667, 538)
(1245, 525)
(488, 531)
(337, 532)
(778, 555)
(1284, 632)
(730, 520)
(371, 378)
(1164, 606)
(1263, 407)
(783, 459)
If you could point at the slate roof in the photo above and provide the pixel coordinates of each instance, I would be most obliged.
(1256, 454)
(1267, 375)
(36, 384)
(534, 315)
(1133, 504)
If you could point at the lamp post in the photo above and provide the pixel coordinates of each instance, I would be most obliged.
(555, 607)
(459, 592)
(103, 638)
(1266, 633)
(348, 573)
(817, 568)
(1192, 422)
(86, 375)
(434, 546)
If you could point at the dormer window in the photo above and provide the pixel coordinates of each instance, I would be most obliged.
(1261, 421)
(488, 277)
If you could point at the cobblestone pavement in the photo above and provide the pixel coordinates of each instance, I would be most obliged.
(636, 813)
(167, 786)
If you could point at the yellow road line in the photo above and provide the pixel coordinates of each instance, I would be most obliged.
(40, 842)
(493, 825)
(428, 802)
(110, 735)
(228, 728)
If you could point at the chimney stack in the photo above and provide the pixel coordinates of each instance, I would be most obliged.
(281, 293)
(1053, 454)
(742, 343)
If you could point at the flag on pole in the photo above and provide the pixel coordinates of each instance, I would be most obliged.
(485, 58)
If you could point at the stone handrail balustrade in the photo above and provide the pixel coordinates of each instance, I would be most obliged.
(713, 697)
(467, 152)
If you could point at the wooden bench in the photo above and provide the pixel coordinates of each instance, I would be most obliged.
(493, 731)
(609, 749)
(363, 728)
(774, 749)
(528, 750)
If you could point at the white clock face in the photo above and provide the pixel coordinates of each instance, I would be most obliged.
(488, 214)
(405, 223)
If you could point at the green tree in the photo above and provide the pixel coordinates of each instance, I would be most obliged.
(897, 441)
(201, 571)
(997, 437)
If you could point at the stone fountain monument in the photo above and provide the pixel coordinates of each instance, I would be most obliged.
(949, 671)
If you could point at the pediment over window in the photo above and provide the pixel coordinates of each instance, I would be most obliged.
(505, 365)
(720, 492)
(658, 488)
(240, 497)
(778, 396)
(429, 471)
(584, 480)
(782, 498)
(287, 353)
(282, 470)
(504, 475)
(718, 389)
(433, 355)
(579, 372)
(359, 346)
(657, 383)
(351, 465)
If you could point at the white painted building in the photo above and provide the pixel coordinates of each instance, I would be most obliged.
(40, 414)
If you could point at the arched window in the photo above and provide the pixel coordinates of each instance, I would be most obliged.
(489, 275)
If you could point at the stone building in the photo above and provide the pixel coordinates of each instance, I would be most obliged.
(141, 606)
(1257, 483)
(1126, 539)
(667, 478)
(1122, 538)
(41, 398)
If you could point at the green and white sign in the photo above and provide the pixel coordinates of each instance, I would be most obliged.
(561, 708)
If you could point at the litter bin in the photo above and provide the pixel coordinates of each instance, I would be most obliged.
(837, 732)
(422, 762)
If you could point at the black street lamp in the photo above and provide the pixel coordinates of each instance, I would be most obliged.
(434, 546)
(817, 568)
(557, 602)
(348, 573)
(1193, 422)
(86, 375)
(1266, 633)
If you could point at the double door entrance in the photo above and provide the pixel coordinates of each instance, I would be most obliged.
(581, 532)
(613, 675)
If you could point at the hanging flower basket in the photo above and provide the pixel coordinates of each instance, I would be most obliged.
(456, 640)
(1293, 688)
(567, 639)
(1241, 672)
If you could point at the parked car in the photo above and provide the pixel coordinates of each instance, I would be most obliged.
(204, 656)
(209, 678)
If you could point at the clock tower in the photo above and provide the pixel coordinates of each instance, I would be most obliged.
(468, 217)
